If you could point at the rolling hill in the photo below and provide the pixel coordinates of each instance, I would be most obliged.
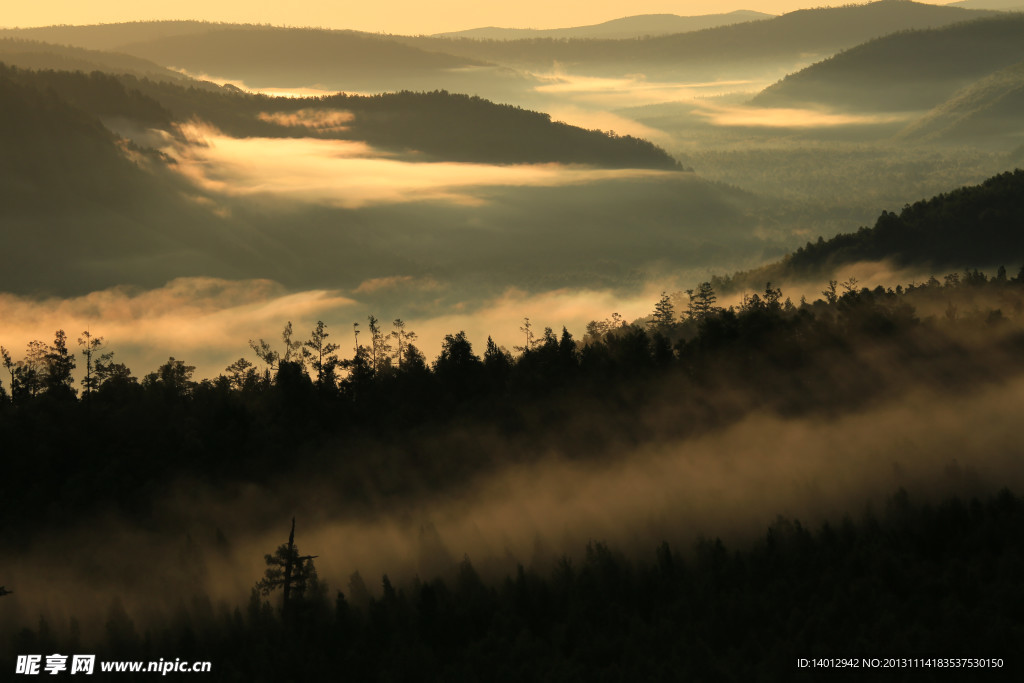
(987, 111)
(108, 37)
(263, 56)
(627, 27)
(1002, 5)
(904, 71)
(796, 38)
(972, 227)
(81, 208)
(347, 60)
(433, 126)
(33, 54)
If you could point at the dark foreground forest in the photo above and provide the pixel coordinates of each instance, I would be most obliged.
(913, 581)
(932, 572)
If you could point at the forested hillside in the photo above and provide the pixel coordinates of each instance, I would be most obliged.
(31, 54)
(270, 56)
(987, 111)
(55, 152)
(790, 38)
(104, 208)
(385, 429)
(907, 70)
(441, 125)
(711, 612)
(971, 227)
(717, 364)
(110, 36)
(627, 27)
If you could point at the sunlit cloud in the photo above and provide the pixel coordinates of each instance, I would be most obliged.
(352, 174)
(770, 117)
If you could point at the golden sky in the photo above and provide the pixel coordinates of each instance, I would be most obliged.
(391, 16)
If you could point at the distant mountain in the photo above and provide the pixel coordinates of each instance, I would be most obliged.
(989, 110)
(110, 36)
(972, 227)
(796, 38)
(267, 57)
(627, 27)
(261, 56)
(1003, 5)
(905, 71)
(32, 54)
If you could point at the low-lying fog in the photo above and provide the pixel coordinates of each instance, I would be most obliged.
(730, 483)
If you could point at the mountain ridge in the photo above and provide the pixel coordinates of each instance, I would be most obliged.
(974, 226)
(634, 26)
(907, 70)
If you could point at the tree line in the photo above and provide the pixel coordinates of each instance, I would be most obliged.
(385, 406)
(903, 580)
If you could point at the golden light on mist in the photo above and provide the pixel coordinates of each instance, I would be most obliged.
(314, 119)
(768, 117)
(632, 91)
(352, 174)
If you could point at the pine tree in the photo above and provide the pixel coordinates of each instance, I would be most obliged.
(294, 574)
(402, 340)
(664, 314)
(380, 348)
(91, 347)
(322, 356)
(702, 302)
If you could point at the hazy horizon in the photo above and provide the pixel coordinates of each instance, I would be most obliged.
(390, 17)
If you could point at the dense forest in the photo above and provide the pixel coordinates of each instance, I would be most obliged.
(904, 581)
(439, 124)
(932, 65)
(972, 225)
(912, 581)
(303, 391)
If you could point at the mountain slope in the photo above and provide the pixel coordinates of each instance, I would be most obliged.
(797, 37)
(31, 54)
(972, 227)
(267, 57)
(904, 71)
(439, 125)
(81, 209)
(626, 27)
(1002, 5)
(108, 36)
(95, 93)
(988, 110)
